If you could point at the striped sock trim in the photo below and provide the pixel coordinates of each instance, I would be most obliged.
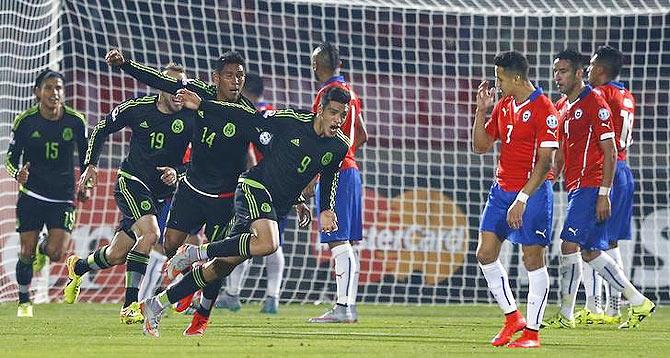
(199, 278)
(138, 257)
(244, 245)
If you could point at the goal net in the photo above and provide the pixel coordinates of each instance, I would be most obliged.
(415, 64)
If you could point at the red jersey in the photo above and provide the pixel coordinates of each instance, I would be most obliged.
(586, 122)
(522, 129)
(622, 105)
(353, 116)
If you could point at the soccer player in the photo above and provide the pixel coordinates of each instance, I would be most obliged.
(604, 68)
(348, 207)
(229, 298)
(302, 145)
(519, 205)
(588, 155)
(146, 181)
(44, 137)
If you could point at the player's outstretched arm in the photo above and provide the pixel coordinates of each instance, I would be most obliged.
(481, 140)
(154, 78)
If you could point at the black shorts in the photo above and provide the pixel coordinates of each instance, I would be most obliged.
(134, 201)
(252, 202)
(191, 210)
(32, 214)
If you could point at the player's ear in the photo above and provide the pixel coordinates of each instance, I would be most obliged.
(36, 92)
(215, 77)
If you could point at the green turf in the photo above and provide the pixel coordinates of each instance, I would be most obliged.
(93, 330)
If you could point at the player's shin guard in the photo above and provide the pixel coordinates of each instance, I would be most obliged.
(154, 275)
(593, 284)
(238, 245)
(274, 266)
(570, 272)
(538, 289)
(613, 274)
(345, 266)
(496, 278)
(136, 267)
(190, 283)
(24, 275)
(614, 296)
(96, 261)
(209, 294)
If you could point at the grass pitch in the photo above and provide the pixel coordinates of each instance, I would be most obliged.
(93, 330)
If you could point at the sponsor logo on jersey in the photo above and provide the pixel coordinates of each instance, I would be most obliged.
(552, 121)
(265, 138)
(603, 114)
(177, 126)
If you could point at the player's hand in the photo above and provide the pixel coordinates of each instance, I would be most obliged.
(115, 58)
(515, 215)
(304, 214)
(168, 175)
(87, 181)
(328, 221)
(603, 208)
(485, 96)
(189, 99)
(22, 175)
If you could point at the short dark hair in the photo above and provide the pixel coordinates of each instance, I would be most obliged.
(337, 94)
(330, 50)
(254, 84)
(576, 59)
(611, 59)
(228, 57)
(46, 74)
(512, 61)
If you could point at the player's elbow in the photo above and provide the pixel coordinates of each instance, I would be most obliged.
(480, 148)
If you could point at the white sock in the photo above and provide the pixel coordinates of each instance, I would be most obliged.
(357, 274)
(570, 272)
(496, 278)
(613, 274)
(153, 276)
(538, 289)
(345, 266)
(614, 296)
(593, 284)
(274, 268)
(236, 278)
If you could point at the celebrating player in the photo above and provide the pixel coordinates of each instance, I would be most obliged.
(45, 137)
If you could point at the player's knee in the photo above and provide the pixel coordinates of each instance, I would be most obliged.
(485, 257)
(27, 252)
(533, 262)
(150, 237)
(269, 247)
(56, 254)
(115, 257)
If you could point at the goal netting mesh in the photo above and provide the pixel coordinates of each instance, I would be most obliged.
(415, 64)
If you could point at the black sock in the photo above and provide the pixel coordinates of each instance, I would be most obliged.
(238, 245)
(136, 267)
(190, 283)
(209, 294)
(24, 274)
(96, 261)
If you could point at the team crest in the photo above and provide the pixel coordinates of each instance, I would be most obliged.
(177, 126)
(552, 121)
(603, 114)
(578, 113)
(67, 134)
(145, 205)
(327, 158)
(265, 138)
(265, 207)
(229, 130)
(525, 116)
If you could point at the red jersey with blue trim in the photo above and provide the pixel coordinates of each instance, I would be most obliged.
(352, 120)
(622, 105)
(586, 122)
(523, 129)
